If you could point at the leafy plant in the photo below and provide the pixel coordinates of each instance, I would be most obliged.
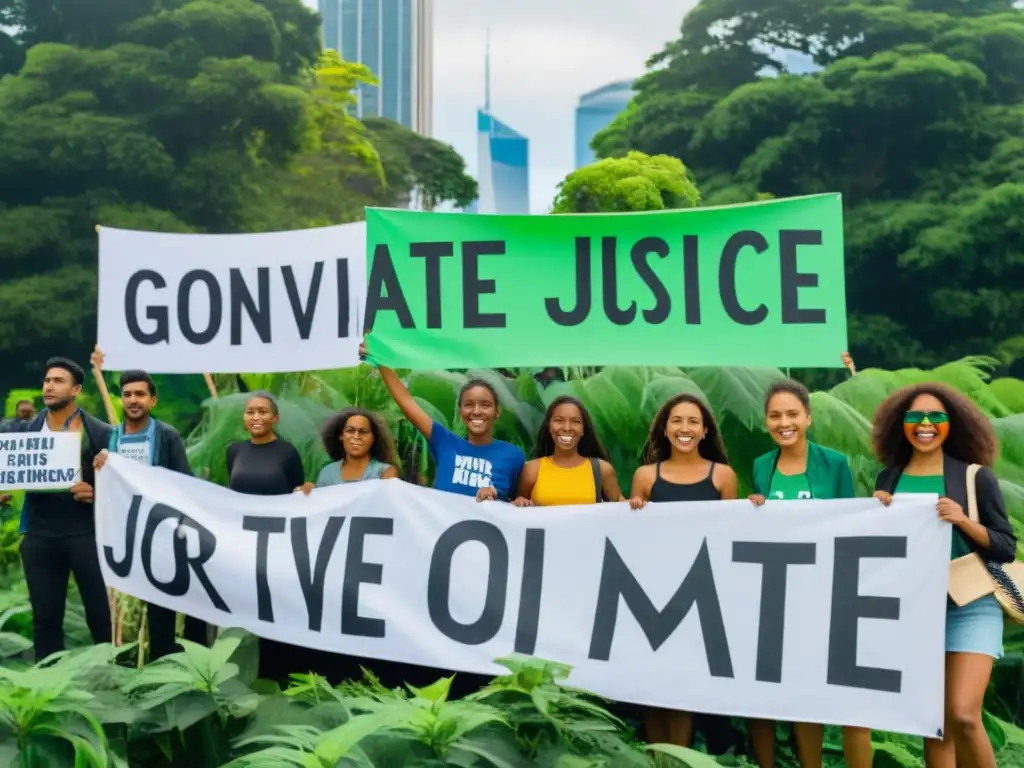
(53, 713)
(202, 693)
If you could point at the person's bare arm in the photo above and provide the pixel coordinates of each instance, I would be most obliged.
(403, 398)
(726, 482)
(527, 479)
(390, 473)
(610, 483)
(643, 481)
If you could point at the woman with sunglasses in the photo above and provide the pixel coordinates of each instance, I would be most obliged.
(926, 436)
(800, 469)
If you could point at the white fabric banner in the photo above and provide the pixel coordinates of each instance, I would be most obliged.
(810, 611)
(40, 461)
(271, 302)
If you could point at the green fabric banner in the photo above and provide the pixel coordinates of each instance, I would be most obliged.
(754, 285)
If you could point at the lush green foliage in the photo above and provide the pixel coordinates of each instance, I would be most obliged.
(635, 182)
(915, 116)
(173, 116)
(204, 707)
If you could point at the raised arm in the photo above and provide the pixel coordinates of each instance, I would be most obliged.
(403, 398)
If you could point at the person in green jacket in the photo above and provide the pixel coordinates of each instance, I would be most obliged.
(800, 469)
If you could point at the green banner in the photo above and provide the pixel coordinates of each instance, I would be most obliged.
(757, 285)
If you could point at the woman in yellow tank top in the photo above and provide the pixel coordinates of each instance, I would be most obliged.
(569, 465)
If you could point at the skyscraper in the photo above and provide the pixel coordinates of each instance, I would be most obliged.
(503, 158)
(394, 38)
(595, 111)
(504, 167)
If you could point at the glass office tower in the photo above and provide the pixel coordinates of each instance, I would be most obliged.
(504, 168)
(394, 38)
(595, 111)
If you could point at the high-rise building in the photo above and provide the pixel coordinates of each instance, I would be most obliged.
(595, 111)
(394, 39)
(503, 157)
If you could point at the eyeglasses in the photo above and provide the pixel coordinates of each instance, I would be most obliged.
(933, 417)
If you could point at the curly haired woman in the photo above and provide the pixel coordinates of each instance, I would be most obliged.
(360, 447)
(926, 436)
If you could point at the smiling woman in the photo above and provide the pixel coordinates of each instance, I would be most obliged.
(475, 465)
(569, 463)
(799, 469)
(265, 465)
(360, 445)
(928, 436)
(685, 461)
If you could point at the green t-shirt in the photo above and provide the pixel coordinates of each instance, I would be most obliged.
(789, 487)
(934, 484)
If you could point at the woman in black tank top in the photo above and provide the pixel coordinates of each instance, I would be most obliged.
(702, 490)
(684, 457)
(684, 461)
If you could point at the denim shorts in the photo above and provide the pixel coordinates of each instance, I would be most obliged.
(975, 628)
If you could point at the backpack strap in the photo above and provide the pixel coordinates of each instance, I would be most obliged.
(595, 467)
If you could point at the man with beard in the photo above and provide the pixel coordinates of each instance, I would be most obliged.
(148, 441)
(59, 528)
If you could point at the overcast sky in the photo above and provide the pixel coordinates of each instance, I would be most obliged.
(544, 54)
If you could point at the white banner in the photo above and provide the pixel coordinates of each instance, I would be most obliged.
(273, 302)
(40, 461)
(810, 611)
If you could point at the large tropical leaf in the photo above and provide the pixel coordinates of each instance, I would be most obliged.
(1010, 431)
(440, 389)
(869, 388)
(738, 392)
(614, 412)
(840, 426)
(865, 391)
(1009, 392)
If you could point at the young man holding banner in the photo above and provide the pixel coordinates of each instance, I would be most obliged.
(59, 529)
(152, 442)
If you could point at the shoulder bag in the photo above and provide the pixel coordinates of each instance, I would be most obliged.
(971, 577)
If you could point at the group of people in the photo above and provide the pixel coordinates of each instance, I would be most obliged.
(925, 436)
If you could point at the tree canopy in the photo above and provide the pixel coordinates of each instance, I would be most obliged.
(176, 116)
(915, 115)
(635, 182)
